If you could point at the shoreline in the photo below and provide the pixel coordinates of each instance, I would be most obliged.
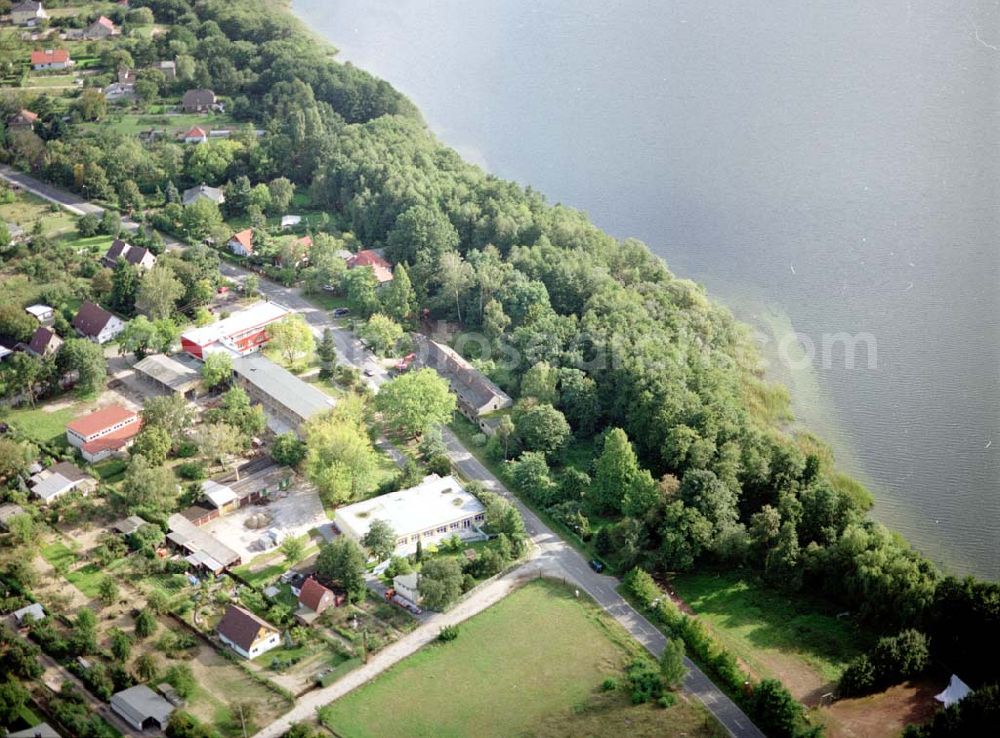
(811, 404)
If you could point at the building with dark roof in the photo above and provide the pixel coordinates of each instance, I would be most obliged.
(477, 395)
(44, 342)
(42, 730)
(141, 707)
(27, 13)
(198, 101)
(173, 373)
(135, 255)
(94, 322)
(203, 192)
(247, 634)
(61, 479)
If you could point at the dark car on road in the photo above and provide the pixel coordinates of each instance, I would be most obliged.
(596, 565)
(341, 312)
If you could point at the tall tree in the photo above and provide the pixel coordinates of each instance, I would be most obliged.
(343, 561)
(217, 369)
(398, 296)
(87, 359)
(124, 287)
(415, 401)
(291, 338)
(672, 667)
(326, 352)
(380, 540)
(615, 469)
(158, 292)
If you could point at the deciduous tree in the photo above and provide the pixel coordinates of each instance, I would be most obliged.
(415, 401)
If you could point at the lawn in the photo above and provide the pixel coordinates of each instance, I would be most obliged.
(26, 209)
(41, 425)
(131, 124)
(532, 661)
(769, 630)
(87, 578)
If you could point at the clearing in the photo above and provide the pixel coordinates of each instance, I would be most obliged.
(531, 664)
(795, 639)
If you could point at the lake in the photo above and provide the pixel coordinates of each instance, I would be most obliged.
(830, 170)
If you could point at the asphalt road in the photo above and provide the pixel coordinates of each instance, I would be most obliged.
(554, 557)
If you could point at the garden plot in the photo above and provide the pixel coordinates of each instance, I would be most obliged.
(292, 515)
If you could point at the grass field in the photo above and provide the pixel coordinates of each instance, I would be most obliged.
(767, 629)
(533, 662)
(26, 209)
(130, 124)
(87, 578)
(40, 425)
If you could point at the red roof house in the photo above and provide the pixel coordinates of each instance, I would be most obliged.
(241, 243)
(51, 59)
(196, 135)
(371, 258)
(24, 118)
(314, 598)
(102, 433)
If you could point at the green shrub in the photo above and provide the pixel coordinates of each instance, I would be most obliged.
(448, 633)
(610, 684)
(191, 470)
(667, 699)
(644, 681)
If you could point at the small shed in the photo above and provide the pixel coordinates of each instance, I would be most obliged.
(26, 615)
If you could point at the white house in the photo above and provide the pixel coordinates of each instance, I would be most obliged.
(247, 634)
(50, 59)
(435, 509)
(407, 586)
(42, 313)
(94, 322)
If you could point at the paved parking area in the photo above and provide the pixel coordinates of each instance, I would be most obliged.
(294, 514)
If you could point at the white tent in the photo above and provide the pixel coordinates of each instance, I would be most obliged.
(956, 691)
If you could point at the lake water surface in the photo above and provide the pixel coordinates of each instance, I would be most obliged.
(824, 167)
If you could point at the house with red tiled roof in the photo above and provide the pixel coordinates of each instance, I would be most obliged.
(196, 135)
(241, 243)
(371, 258)
(314, 599)
(247, 634)
(100, 434)
(24, 119)
(94, 322)
(50, 59)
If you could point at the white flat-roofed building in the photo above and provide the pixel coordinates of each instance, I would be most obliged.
(239, 334)
(437, 508)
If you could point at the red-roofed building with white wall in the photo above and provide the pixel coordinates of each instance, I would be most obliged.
(239, 334)
(100, 434)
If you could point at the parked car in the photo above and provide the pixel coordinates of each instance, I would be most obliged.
(597, 565)
(369, 372)
(341, 312)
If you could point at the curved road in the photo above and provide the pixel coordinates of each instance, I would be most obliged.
(552, 557)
